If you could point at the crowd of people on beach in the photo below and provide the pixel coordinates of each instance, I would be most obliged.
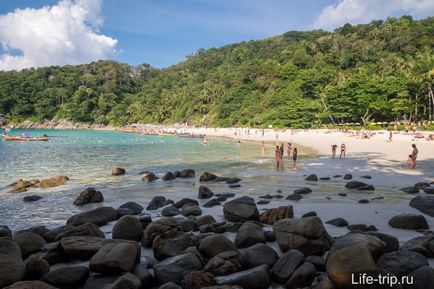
(280, 152)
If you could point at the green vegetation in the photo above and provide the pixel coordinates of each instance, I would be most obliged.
(380, 71)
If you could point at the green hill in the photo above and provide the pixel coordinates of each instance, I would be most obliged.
(380, 71)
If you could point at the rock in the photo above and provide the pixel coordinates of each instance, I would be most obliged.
(241, 210)
(128, 228)
(99, 216)
(363, 201)
(88, 196)
(306, 234)
(170, 285)
(207, 176)
(361, 227)
(423, 278)
(118, 171)
(29, 243)
(423, 245)
(39, 230)
(167, 227)
(222, 179)
(5, 231)
(205, 220)
(53, 182)
(189, 173)
(145, 220)
(429, 191)
(212, 203)
(30, 285)
(185, 201)
(317, 261)
(325, 179)
(191, 210)
(324, 284)
(99, 281)
(225, 196)
(355, 184)
(255, 278)
(224, 263)
(375, 245)
(32, 198)
(156, 203)
(410, 190)
(391, 242)
(269, 236)
(271, 216)
(205, 193)
(350, 261)
(312, 178)
(144, 275)
(401, 263)
(348, 177)
(338, 222)
(67, 277)
(233, 186)
(233, 181)
(366, 188)
(262, 202)
(409, 222)
(425, 204)
(286, 265)
(36, 267)
(126, 281)
(53, 253)
(258, 254)
(249, 234)
(169, 176)
(114, 257)
(12, 267)
(82, 247)
(174, 269)
(214, 245)
(309, 214)
(187, 225)
(294, 197)
(170, 211)
(87, 229)
(343, 194)
(149, 178)
(165, 248)
(366, 177)
(303, 191)
(302, 276)
(422, 185)
(197, 280)
(135, 208)
(224, 287)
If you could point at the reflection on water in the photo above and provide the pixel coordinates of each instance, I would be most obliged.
(88, 156)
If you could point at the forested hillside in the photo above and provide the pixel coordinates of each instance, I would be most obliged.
(380, 71)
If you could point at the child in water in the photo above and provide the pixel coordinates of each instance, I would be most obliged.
(410, 162)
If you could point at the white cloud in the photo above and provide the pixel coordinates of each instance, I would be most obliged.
(66, 33)
(363, 11)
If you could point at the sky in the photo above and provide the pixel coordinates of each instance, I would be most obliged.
(35, 33)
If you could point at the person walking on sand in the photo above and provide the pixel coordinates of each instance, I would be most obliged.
(294, 158)
(334, 148)
(343, 149)
(390, 135)
(414, 155)
(278, 157)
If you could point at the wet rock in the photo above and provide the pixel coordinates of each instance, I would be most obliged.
(165, 248)
(32, 198)
(422, 244)
(425, 204)
(144, 275)
(258, 254)
(214, 245)
(149, 178)
(99, 281)
(187, 225)
(191, 210)
(255, 278)
(262, 202)
(145, 220)
(36, 267)
(249, 234)
(174, 269)
(12, 267)
(317, 261)
(82, 247)
(338, 222)
(205, 220)
(169, 176)
(423, 278)
(156, 203)
(286, 265)
(205, 193)
(366, 188)
(422, 185)
(170, 285)
(224, 196)
(269, 236)
(302, 276)
(128, 228)
(361, 228)
(343, 194)
(135, 208)
(29, 243)
(429, 190)
(309, 214)
(167, 227)
(67, 277)
(366, 177)
(53, 182)
(401, 263)
(53, 253)
(185, 201)
(271, 216)
(303, 191)
(126, 281)
(39, 230)
(221, 179)
(312, 178)
(207, 176)
(391, 242)
(241, 209)
(118, 171)
(224, 263)
(348, 177)
(88, 196)
(294, 197)
(170, 211)
(325, 179)
(189, 173)
(87, 229)
(115, 257)
(355, 184)
(5, 231)
(306, 234)
(363, 201)
(233, 181)
(30, 285)
(410, 190)
(99, 216)
(212, 203)
(197, 280)
(375, 245)
(233, 186)
(409, 222)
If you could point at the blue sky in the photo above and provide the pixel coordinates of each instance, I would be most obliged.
(163, 32)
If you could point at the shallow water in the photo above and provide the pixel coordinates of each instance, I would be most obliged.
(87, 158)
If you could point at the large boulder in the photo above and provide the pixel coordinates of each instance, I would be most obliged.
(241, 210)
(118, 171)
(149, 177)
(165, 248)
(224, 263)
(401, 263)
(188, 173)
(307, 235)
(425, 204)
(170, 211)
(256, 255)
(29, 243)
(205, 193)
(114, 257)
(5, 231)
(191, 210)
(345, 263)
(126, 281)
(255, 278)
(422, 244)
(53, 182)
(82, 247)
(36, 267)
(169, 176)
(207, 176)
(215, 244)
(174, 269)
(87, 229)
(391, 242)
(156, 203)
(375, 245)
(88, 196)
(12, 267)
(410, 190)
(286, 265)
(248, 235)
(132, 207)
(128, 228)
(423, 278)
(271, 216)
(311, 178)
(30, 285)
(98, 216)
(181, 203)
(67, 277)
(197, 280)
(302, 276)
(355, 184)
(409, 222)
(166, 227)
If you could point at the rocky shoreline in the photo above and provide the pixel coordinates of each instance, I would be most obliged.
(57, 123)
(179, 244)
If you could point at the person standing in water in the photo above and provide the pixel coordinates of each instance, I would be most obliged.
(282, 150)
(294, 158)
(289, 149)
(334, 148)
(414, 155)
(343, 150)
(278, 157)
